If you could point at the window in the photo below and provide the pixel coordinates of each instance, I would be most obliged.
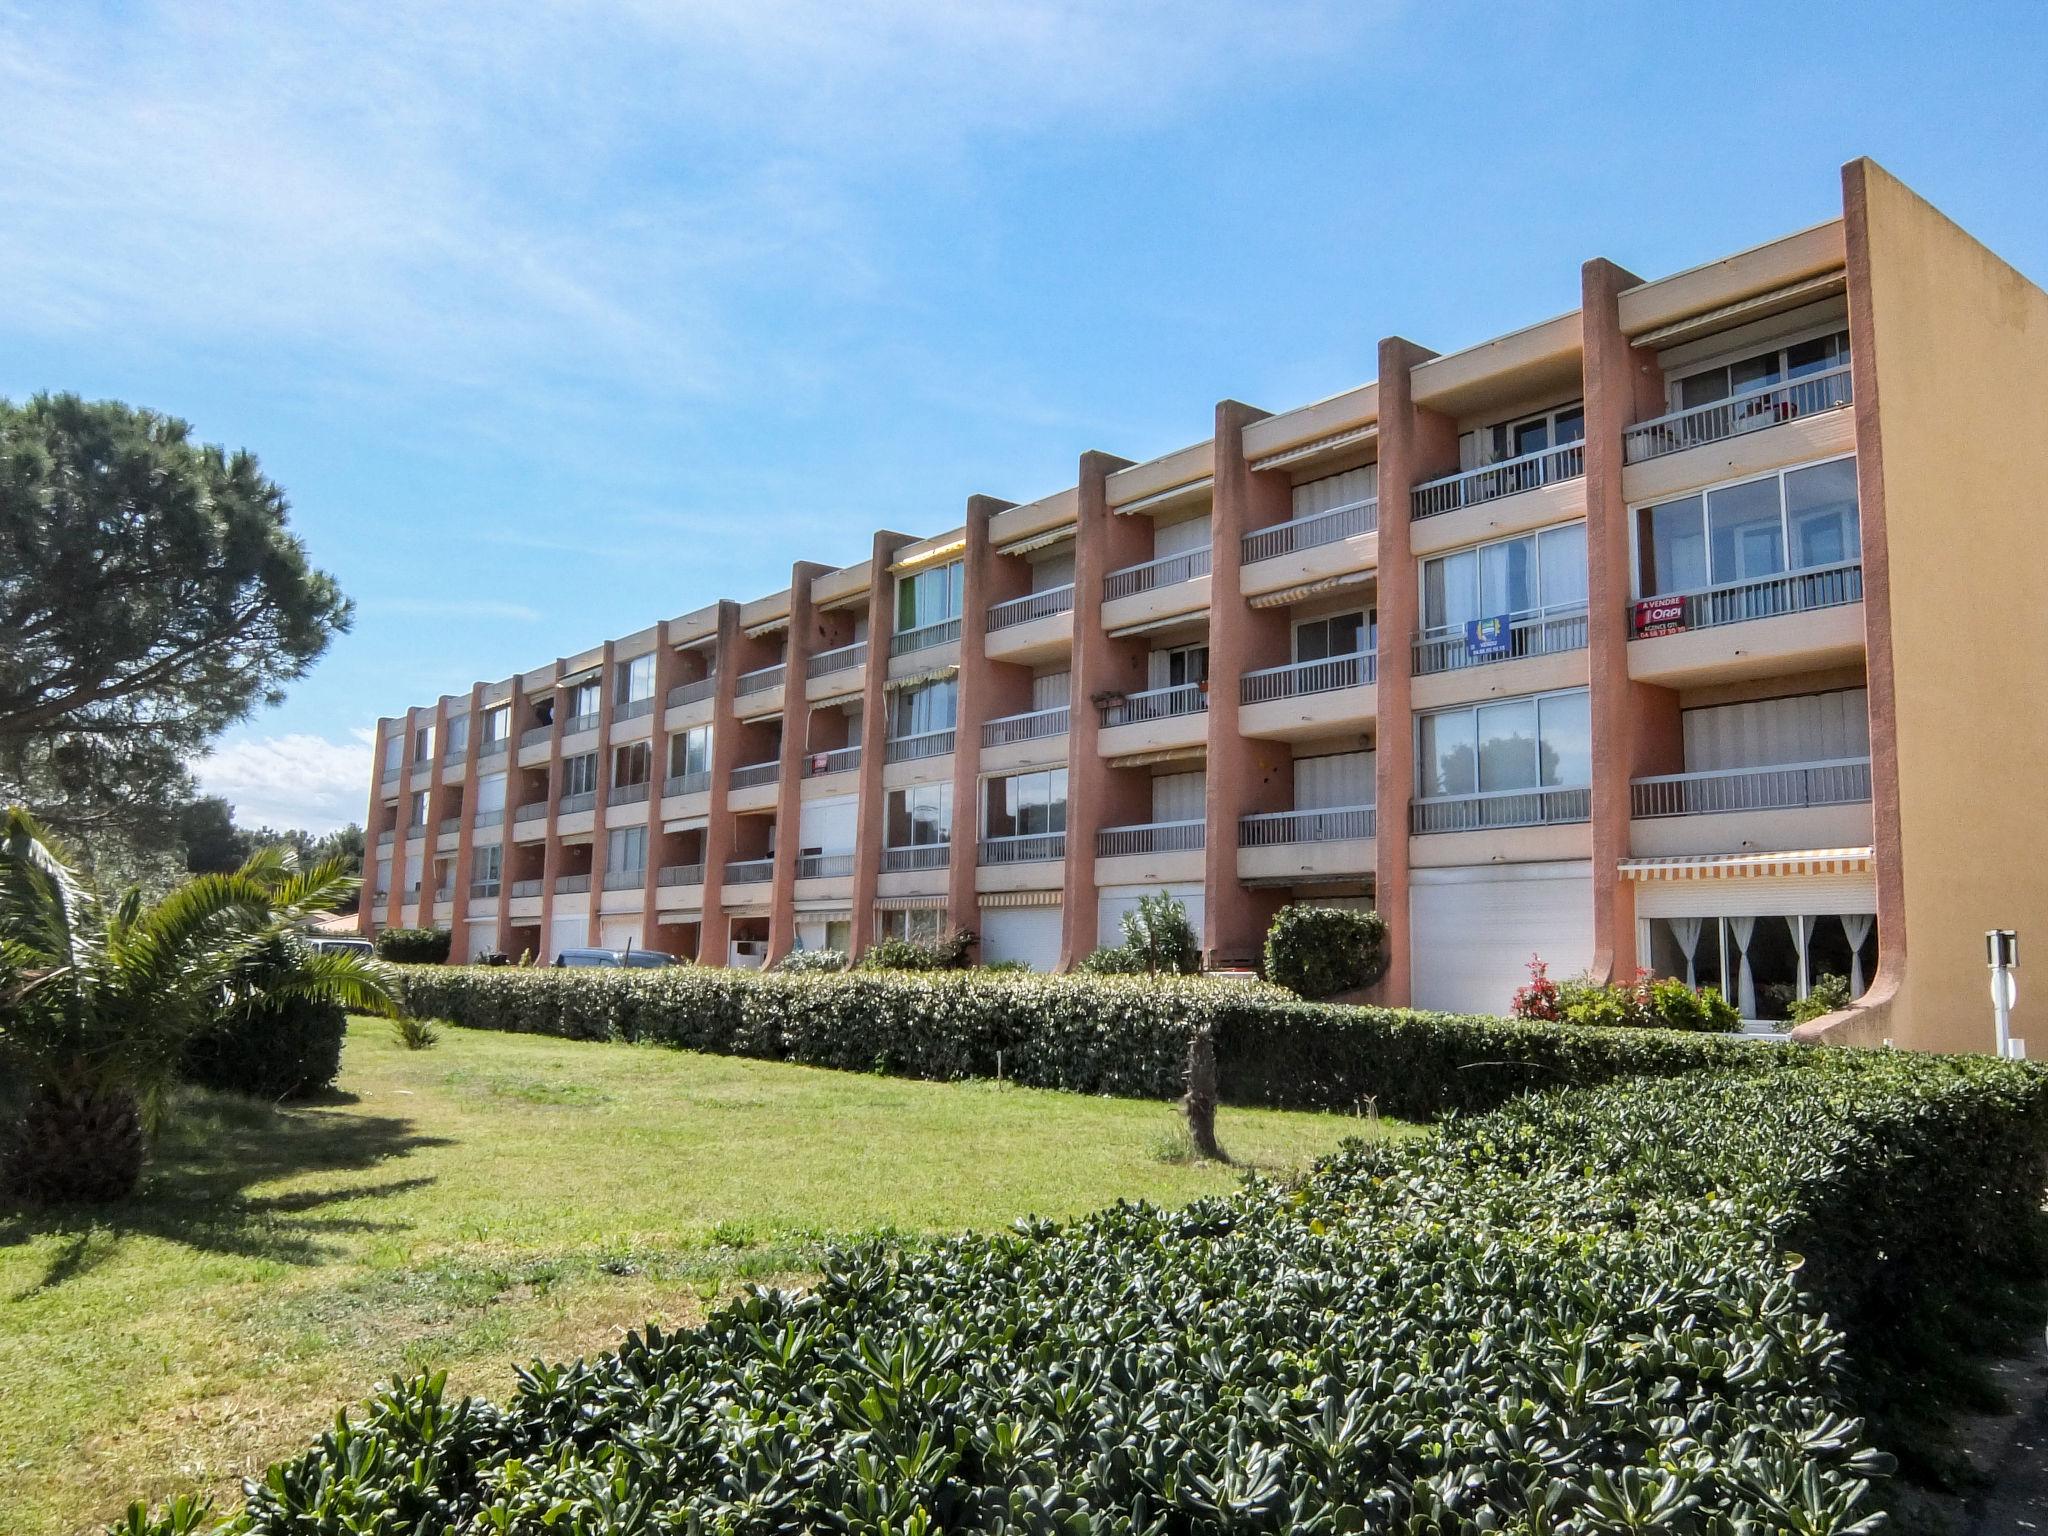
(1528, 577)
(920, 711)
(1792, 520)
(1552, 428)
(423, 744)
(1541, 742)
(486, 867)
(382, 887)
(585, 699)
(1352, 488)
(920, 816)
(929, 597)
(1026, 804)
(1180, 667)
(497, 725)
(633, 764)
(636, 679)
(458, 733)
(490, 793)
(1764, 964)
(920, 926)
(419, 807)
(689, 752)
(1341, 634)
(625, 850)
(1761, 370)
(394, 753)
(579, 775)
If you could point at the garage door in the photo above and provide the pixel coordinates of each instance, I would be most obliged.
(1030, 934)
(568, 933)
(1472, 931)
(620, 936)
(1116, 900)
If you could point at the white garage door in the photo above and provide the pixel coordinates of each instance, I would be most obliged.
(621, 936)
(1116, 900)
(1030, 934)
(568, 933)
(1472, 931)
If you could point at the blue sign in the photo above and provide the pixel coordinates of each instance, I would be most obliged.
(1487, 639)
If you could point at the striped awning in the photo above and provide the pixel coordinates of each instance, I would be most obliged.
(1318, 445)
(910, 904)
(1194, 754)
(1159, 501)
(1806, 291)
(1038, 541)
(926, 557)
(919, 679)
(1724, 866)
(1310, 589)
(773, 626)
(990, 899)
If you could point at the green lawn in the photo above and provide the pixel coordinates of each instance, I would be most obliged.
(496, 1198)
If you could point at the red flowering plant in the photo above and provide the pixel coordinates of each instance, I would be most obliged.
(1540, 998)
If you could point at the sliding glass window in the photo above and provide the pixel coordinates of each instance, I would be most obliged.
(1792, 520)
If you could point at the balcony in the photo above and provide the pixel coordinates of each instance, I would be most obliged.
(480, 890)
(1272, 829)
(1721, 633)
(524, 889)
(749, 871)
(571, 885)
(1151, 837)
(628, 794)
(490, 818)
(390, 776)
(1294, 846)
(922, 856)
(490, 752)
(1169, 571)
(1772, 597)
(1777, 808)
(387, 837)
(1024, 848)
(760, 680)
(824, 866)
(749, 775)
(1501, 808)
(1038, 605)
(687, 783)
(537, 811)
(1034, 726)
(1308, 677)
(443, 895)
(839, 760)
(842, 658)
(910, 749)
(924, 637)
(455, 757)
(575, 725)
(1312, 532)
(679, 874)
(451, 825)
(535, 737)
(624, 879)
(692, 693)
(633, 709)
(1540, 635)
(573, 804)
(1510, 477)
(1157, 704)
(1750, 412)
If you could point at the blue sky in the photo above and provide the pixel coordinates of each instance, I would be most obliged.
(557, 319)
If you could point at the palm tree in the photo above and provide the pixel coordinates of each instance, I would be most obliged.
(97, 1001)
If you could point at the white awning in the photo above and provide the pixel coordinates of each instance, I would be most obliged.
(1287, 595)
(1315, 447)
(938, 552)
(1038, 541)
(919, 679)
(1756, 307)
(1159, 501)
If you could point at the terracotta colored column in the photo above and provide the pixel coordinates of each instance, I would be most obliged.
(714, 931)
(505, 846)
(1415, 445)
(668, 673)
(1102, 543)
(374, 824)
(982, 585)
(1244, 774)
(462, 945)
(407, 768)
(551, 843)
(874, 738)
(1635, 726)
(600, 838)
(804, 642)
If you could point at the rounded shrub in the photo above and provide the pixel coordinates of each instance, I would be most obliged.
(1318, 951)
(901, 955)
(1113, 960)
(811, 962)
(414, 946)
(270, 1048)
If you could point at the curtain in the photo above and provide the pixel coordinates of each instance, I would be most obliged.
(1741, 928)
(1857, 926)
(1687, 931)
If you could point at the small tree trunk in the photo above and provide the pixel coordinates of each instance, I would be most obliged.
(1200, 1103)
(75, 1146)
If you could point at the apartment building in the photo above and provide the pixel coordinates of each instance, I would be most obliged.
(1688, 630)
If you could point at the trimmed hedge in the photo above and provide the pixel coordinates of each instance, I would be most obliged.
(1125, 1036)
(414, 946)
(1607, 1310)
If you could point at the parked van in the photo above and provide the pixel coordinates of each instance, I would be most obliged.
(637, 959)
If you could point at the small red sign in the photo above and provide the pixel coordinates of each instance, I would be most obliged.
(1660, 616)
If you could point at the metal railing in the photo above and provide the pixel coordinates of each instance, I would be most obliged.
(687, 783)
(390, 775)
(1747, 412)
(1151, 837)
(1546, 466)
(1540, 635)
(577, 724)
(387, 837)
(537, 811)
(1024, 848)
(908, 749)
(924, 637)
(490, 751)
(1037, 605)
(1157, 704)
(1829, 586)
(627, 794)
(823, 866)
(569, 805)
(760, 680)
(1785, 786)
(747, 775)
(415, 831)
(624, 879)
(1167, 571)
(450, 825)
(749, 871)
(571, 885)
(481, 888)
(1311, 532)
(839, 659)
(1501, 808)
(1038, 723)
(1272, 829)
(524, 888)
(632, 709)
(1305, 677)
(838, 760)
(921, 856)
(690, 693)
(535, 735)
(680, 874)
(455, 757)
(490, 818)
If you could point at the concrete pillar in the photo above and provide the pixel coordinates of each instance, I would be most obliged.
(374, 824)
(668, 673)
(983, 584)
(502, 941)
(714, 933)
(1416, 444)
(874, 737)
(462, 942)
(600, 840)
(805, 640)
(551, 844)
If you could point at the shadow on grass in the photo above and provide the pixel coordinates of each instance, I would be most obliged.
(196, 1188)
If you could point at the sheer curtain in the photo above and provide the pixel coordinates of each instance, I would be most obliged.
(1741, 929)
(1686, 930)
(1857, 926)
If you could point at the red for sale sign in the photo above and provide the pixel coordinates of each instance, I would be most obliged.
(1660, 616)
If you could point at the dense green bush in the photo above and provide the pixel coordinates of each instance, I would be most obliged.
(811, 962)
(269, 1047)
(1112, 960)
(1649, 1306)
(1643, 1002)
(1830, 994)
(414, 946)
(1318, 951)
(1158, 933)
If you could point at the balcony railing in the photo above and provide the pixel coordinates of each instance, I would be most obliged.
(479, 889)
(443, 895)
(1038, 605)
(537, 811)
(921, 856)
(577, 724)
(1306, 677)
(687, 783)
(390, 776)
(535, 736)
(627, 794)
(1310, 532)
(1537, 636)
(1024, 848)
(1787, 786)
(690, 693)
(1721, 419)
(680, 874)
(839, 659)
(838, 760)
(1546, 466)
(747, 775)
(624, 879)
(1502, 808)
(524, 888)
(924, 637)
(633, 709)
(571, 804)
(1273, 829)
(1157, 704)
(490, 751)
(455, 757)
(1169, 570)
(1151, 837)
(1830, 586)
(571, 885)
(760, 680)
(387, 837)
(749, 871)
(1029, 727)
(490, 818)
(417, 830)
(450, 825)
(823, 866)
(908, 749)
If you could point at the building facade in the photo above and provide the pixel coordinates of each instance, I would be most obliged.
(1685, 631)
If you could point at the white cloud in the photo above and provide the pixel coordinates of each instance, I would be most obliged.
(291, 781)
(455, 608)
